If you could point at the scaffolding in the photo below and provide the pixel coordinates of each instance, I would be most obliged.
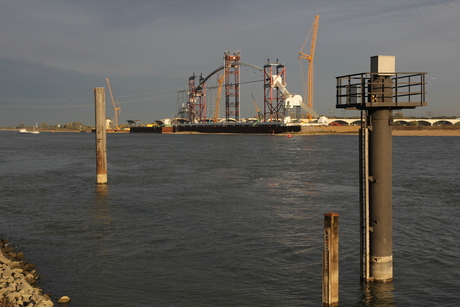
(196, 101)
(273, 101)
(232, 85)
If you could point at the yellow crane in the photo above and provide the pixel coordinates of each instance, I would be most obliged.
(220, 79)
(259, 116)
(116, 106)
(308, 92)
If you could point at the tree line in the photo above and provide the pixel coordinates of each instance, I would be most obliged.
(45, 126)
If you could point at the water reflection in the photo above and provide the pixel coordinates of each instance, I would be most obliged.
(377, 294)
(102, 191)
(102, 218)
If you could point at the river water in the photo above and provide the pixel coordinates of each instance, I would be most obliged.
(223, 220)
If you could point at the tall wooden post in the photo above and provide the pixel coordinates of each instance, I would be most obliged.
(331, 260)
(101, 141)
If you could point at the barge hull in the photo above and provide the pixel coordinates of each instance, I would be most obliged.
(260, 129)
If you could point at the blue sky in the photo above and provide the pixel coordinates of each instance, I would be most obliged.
(53, 53)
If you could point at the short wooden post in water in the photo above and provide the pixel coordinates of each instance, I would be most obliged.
(101, 141)
(331, 260)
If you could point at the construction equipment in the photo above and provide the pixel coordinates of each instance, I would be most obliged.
(259, 115)
(116, 106)
(308, 92)
(291, 100)
(220, 79)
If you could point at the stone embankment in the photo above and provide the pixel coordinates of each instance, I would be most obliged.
(18, 281)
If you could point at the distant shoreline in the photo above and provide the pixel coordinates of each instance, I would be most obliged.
(46, 130)
(397, 130)
(351, 130)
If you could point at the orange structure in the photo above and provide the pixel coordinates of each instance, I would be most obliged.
(308, 92)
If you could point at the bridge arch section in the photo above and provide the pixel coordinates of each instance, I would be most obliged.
(424, 123)
(205, 79)
(403, 121)
(231, 70)
(336, 122)
(442, 122)
(356, 122)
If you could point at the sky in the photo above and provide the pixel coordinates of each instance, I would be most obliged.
(54, 53)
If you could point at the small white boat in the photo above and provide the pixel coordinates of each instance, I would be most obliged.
(25, 131)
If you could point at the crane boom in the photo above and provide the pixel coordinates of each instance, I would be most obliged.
(290, 99)
(259, 116)
(116, 106)
(310, 58)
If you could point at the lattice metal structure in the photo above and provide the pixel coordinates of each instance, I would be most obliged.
(201, 101)
(196, 101)
(191, 98)
(182, 104)
(232, 85)
(273, 101)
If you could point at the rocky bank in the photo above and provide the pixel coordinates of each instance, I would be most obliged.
(18, 280)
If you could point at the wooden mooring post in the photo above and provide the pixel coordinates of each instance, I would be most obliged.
(331, 260)
(101, 141)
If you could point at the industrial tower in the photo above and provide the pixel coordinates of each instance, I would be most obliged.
(196, 101)
(232, 85)
(274, 73)
(277, 99)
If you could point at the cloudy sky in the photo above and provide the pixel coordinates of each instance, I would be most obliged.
(53, 52)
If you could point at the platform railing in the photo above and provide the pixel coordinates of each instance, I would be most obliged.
(366, 90)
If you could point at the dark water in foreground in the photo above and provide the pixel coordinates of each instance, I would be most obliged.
(223, 220)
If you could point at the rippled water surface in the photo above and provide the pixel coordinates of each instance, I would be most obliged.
(223, 220)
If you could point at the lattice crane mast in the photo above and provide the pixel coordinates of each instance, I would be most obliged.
(259, 115)
(220, 80)
(116, 106)
(308, 92)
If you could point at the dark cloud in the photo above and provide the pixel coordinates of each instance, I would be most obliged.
(55, 49)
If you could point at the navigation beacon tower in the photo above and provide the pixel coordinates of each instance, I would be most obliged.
(376, 94)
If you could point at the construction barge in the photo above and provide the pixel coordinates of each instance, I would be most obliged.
(260, 128)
